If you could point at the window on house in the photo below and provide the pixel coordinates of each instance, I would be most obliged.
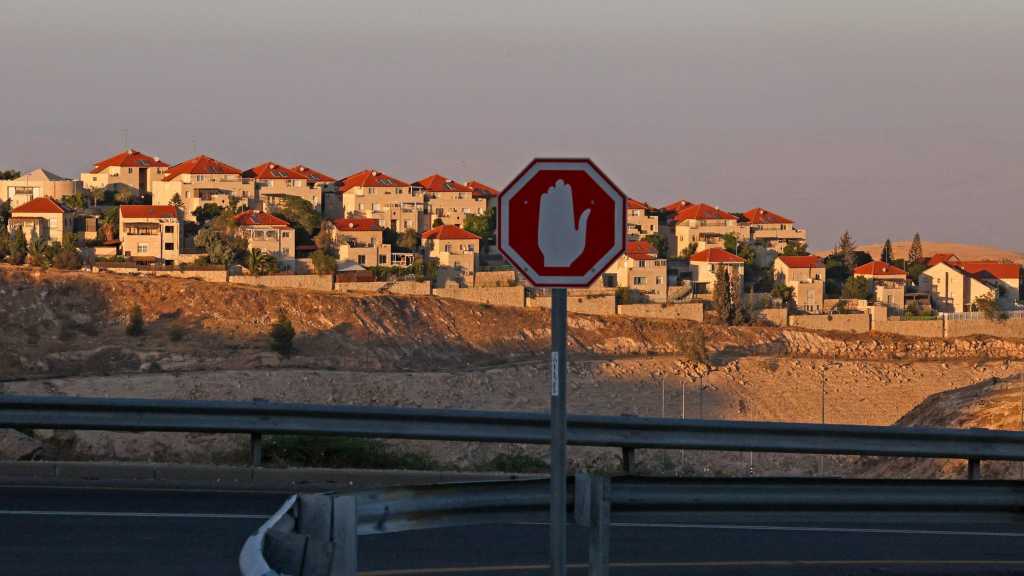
(130, 170)
(383, 260)
(169, 229)
(285, 234)
(168, 245)
(657, 280)
(361, 259)
(639, 281)
(142, 248)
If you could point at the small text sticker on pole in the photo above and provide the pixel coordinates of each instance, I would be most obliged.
(561, 222)
(554, 373)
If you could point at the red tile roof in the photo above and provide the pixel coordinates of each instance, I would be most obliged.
(200, 165)
(40, 206)
(762, 216)
(641, 250)
(802, 261)
(438, 183)
(988, 269)
(632, 204)
(449, 232)
(942, 257)
(313, 176)
(716, 255)
(370, 179)
(273, 171)
(147, 211)
(357, 224)
(675, 206)
(877, 268)
(260, 218)
(482, 189)
(128, 158)
(702, 212)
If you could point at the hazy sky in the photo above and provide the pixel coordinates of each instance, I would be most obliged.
(882, 116)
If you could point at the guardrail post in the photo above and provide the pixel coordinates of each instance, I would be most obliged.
(256, 449)
(600, 525)
(345, 537)
(628, 460)
(973, 469)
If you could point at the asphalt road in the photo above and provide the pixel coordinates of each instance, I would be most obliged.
(71, 531)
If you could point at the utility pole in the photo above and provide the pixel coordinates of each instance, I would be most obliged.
(821, 457)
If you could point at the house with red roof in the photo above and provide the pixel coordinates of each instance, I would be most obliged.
(772, 231)
(457, 252)
(705, 265)
(448, 201)
(129, 171)
(641, 220)
(150, 233)
(276, 183)
(955, 285)
(888, 283)
(203, 180)
(392, 202)
(270, 234)
(328, 185)
(360, 240)
(806, 276)
(641, 270)
(697, 227)
(38, 183)
(43, 218)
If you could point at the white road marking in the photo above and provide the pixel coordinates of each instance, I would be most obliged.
(102, 514)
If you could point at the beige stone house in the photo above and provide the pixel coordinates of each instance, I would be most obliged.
(485, 191)
(955, 285)
(703, 226)
(705, 264)
(38, 183)
(391, 202)
(150, 233)
(203, 180)
(449, 201)
(641, 220)
(360, 240)
(275, 183)
(888, 283)
(331, 207)
(269, 234)
(772, 231)
(457, 252)
(640, 270)
(806, 276)
(42, 218)
(130, 171)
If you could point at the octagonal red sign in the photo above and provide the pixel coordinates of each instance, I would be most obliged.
(561, 222)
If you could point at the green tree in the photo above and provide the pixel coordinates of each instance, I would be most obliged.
(323, 262)
(724, 299)
(689, 250)
(300, 214)
(782, 293)
(221, 247)
(325, 241)
(846, 250)
(659, 243)
(207, 212)
(795, 249)
(282, 333)
(5, 214)
(916, 252)
(38, 254)
(408, 241)
(887, 252)
(17, 247)
(989, 306)
(5, 244)
(9, 174)
(176, 201)
(259, 262)
(438, 222)
(730, 242)
(481, 224)
(136, 324)
(68, 257)
(856, 288)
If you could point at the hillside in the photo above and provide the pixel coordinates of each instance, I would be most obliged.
(964, 251)
(64, 334)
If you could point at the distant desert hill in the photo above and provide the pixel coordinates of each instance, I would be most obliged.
(963, 251)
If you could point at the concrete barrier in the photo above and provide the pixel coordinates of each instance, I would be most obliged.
(303, 281)
(498, 278)
(408, 288)
(914, 328)
(858, 323)
(774, 316)
(1013, 328)
(679, 311)
(514, 296)
(598, 303)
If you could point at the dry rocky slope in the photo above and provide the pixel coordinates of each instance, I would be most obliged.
(64, 334)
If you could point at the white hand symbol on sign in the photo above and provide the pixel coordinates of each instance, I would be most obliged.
(560, 240)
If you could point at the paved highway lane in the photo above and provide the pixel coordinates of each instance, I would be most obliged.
(160, 532)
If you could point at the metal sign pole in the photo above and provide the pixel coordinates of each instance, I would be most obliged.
(558, 394)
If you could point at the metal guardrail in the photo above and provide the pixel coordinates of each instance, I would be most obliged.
(318, 533)
(625, 432)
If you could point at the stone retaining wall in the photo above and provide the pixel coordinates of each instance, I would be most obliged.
(681, 311)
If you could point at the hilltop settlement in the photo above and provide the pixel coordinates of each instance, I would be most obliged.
(295, 226)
